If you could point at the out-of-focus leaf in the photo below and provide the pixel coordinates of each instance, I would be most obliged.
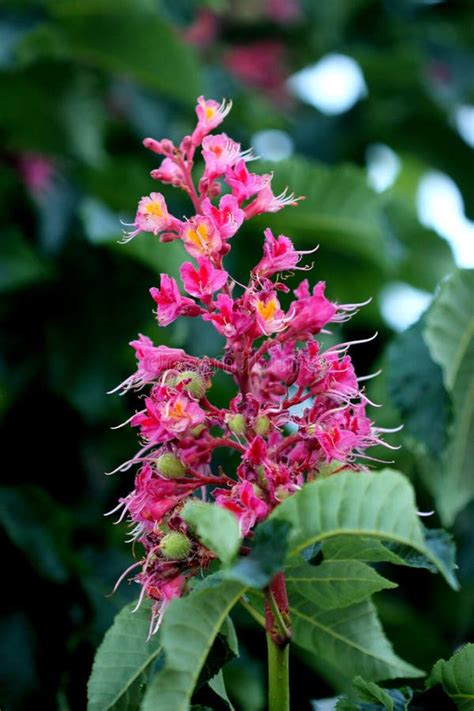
(449, 334)
(335, 583)
(84, 118)
(456, 675)
(266, 557)
(217, 528)
(373, 697)
(131, 39)
(20, 266)
(122, 662)
(23, 513)
(416, 388)
(189, 628)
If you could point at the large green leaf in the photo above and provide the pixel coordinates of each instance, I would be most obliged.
(217, 528)
(339, 209)
(189, 628)
(266, 557)
(449, 334)
(456, 677)
(350, 638)
(416, 388)
(122, 662)
(335, 583)
(131, 39)
(377, 505)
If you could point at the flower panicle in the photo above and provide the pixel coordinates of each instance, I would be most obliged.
(300, 410)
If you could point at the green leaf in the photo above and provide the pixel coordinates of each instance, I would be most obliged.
(217, 684)
(189, 628)
(416, 388)
(351, 638)
(20, 266)
(439, 542)
(374, 697)
(456, 675)
(449, 334)
(266, 557)
(122, 662)
(217, 528)
(339, 209)
(131, 39)
(378, 505)
(335, 583)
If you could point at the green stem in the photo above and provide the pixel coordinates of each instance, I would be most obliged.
(278, 676)
(253, 612)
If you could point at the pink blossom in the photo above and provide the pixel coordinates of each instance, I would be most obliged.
(170, 303)
(167, 414)
(311, 312)
(220, 153)
(36, 170)
(152, 216)
(200, 237)
(245, 185)
(245, 504)
(169, 172)
(210, 115)
(269, 317)
(279, 254)
(227, 218)
(261, 64)
(266, 201)
(227, 318)
(203, 281)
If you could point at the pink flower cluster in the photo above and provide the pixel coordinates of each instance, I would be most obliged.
(299, 412)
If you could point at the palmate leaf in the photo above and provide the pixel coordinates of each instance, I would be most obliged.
(188, 631)
(350, 638)
(335, 583)
(123, 661)
(379, 505)
(456, 675)
(449, 334)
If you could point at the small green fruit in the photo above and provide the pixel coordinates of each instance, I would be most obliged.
(169, 466)
(236, 424)
(195, 385)
(262, 425)
(175, 546)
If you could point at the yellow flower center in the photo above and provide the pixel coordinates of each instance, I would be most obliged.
(154, 209)
(199, 236)
(209, 112)
(177, 410)
(267, 310)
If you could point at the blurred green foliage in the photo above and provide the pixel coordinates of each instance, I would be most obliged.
(81, 84)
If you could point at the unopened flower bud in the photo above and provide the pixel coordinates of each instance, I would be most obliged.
(262, 425)
(169, 466)
(153, 145)
(193, 383)
(175, 546)
(196, 431)
(236, 424)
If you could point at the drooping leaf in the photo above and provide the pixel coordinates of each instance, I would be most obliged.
(266, 557)
(449, 334)
(335, 583)
(351, 638)
(217, 528)
(456, 675)
(123, 661)
(416, 388)
(378, 505)
(371, 550)
(189, 628)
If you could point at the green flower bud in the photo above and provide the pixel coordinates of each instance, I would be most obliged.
(262, 425)
(195, 385)
(196, 431)
(236, 424)
(169, 466)
(175, 546)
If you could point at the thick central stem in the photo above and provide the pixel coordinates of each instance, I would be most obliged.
(278, 676)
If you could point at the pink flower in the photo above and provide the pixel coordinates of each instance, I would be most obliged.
(152, 361)
(227, 319)
(266, 201)
(245, 504)
(36, 170)
(152, 216)
(227, 218)
(245, 185)
(205, 280)
(167, 415)
(219, 152)
(269, 316)
(260, 64)
(279, 255)
(311, 312)
(200, 237)
(170, 303)
(169, 172)
(210, 115)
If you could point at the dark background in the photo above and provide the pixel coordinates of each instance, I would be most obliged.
(81, 83)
